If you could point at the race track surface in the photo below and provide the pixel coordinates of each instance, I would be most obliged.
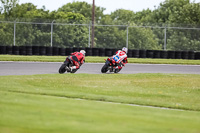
(30, 68)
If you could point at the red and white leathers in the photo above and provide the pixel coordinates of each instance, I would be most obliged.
(78, 58)
(120, 58)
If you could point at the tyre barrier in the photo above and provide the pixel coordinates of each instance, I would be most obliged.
(149, 53)
(156, 54)
(2, 49)
(130, 53)
(101, 51)
(54, 51)
(15, 50)
(35, 50)
(42, 50)
(178, 54)
(184, 55)
(171, 54)
(191, 55)
(108, 52)
(142, 53)
(135, 53)
(163, 54)
(8, 49)
(69, 51)
(28, 50)
(76, 49)
(197, 56)
(49, 51)
(114, 51)
(22, 50)
(88, 51)
(95, 52)
(62, 51)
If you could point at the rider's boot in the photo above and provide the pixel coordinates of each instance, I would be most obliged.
(68, 69)
(72, 68)
(111, 69)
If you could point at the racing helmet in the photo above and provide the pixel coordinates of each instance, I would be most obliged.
(83, 52)
(125, 49)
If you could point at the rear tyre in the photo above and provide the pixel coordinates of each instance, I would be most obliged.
(117, 70)
(62, 69)
(74, 70)
(104, 69)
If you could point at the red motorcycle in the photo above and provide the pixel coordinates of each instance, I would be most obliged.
(66, 65)
(110, 65)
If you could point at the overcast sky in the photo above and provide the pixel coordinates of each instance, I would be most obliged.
(110, 5)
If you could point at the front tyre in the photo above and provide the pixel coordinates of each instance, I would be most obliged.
(62, 69)
(104, 69)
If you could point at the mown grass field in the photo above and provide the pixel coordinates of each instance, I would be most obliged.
(88, 103)
(92, 59)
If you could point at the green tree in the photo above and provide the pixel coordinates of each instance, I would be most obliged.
(6, 34)
(142, 38)
(139, 38)
(66, 32)
(110, 36)
(177, 13)
(122, 16)
(68, 17)
(28, 11)
(83, 8)
(143, 17)
(7, 5)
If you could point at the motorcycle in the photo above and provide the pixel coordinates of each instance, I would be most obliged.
(66, 65)
(110, 65)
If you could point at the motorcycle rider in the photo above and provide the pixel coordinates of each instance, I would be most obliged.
(121, 58)
(78, 59)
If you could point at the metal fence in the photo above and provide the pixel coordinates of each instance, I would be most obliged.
(14, 33)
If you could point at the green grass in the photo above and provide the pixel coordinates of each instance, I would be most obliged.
(47, 103)
(92, 59)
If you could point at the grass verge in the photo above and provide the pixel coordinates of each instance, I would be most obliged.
(163, 90)
(46, 103)
(92, 59)
(22, 113)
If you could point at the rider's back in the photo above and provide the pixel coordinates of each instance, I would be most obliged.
(120, 56)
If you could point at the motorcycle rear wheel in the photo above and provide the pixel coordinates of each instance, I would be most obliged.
(74, 70)
(117, 70)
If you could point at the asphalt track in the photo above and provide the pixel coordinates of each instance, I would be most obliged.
(31, 68)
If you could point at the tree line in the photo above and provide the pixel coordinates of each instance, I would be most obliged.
(177, 21)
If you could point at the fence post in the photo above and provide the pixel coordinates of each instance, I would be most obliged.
(14, 32)
(89, 37)
(165, 39)
(127, 37)
(52, 32)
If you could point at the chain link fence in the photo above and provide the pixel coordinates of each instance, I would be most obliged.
(66, 35)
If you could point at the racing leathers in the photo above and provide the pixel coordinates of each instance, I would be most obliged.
(120, 58)
(78, 59)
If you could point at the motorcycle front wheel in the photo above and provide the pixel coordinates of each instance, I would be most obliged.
(62, 69)
(104, 69)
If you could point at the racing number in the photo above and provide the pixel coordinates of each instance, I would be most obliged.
(116, 58)
(121, 53)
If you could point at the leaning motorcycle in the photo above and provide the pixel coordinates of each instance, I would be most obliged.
(110, 65)
(67, 63)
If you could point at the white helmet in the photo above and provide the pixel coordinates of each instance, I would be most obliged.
(83, 52)
(125, 49)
